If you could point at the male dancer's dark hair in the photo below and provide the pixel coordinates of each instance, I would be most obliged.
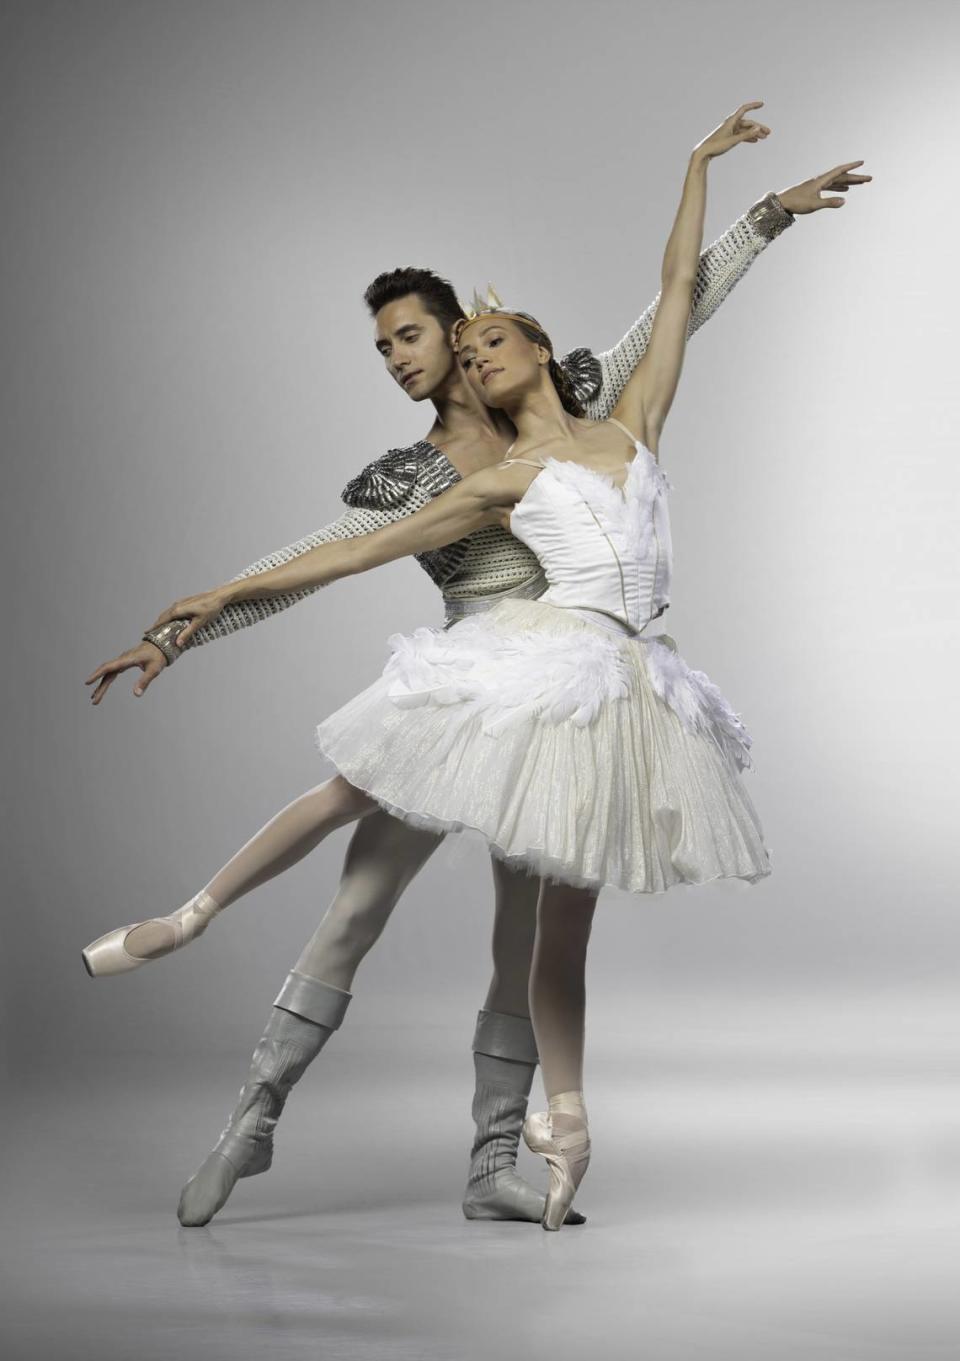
(436, 294)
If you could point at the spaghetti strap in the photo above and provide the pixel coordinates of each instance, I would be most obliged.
(613, 421)
(528, 461)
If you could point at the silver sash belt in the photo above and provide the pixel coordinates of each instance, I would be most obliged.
(612, 622)
(527, 590)
(615, 624)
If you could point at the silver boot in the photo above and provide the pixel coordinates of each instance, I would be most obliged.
(304, 1016)
(505, 1059)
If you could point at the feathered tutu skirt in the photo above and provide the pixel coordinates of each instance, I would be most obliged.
(586, 756)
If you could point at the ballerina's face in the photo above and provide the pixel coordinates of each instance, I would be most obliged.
(414, 346)
(500, 362)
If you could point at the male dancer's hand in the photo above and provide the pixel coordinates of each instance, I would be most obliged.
(805, 197)
(146, 656)
(199, 609)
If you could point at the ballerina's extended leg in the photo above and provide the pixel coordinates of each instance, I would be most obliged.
(284, 840)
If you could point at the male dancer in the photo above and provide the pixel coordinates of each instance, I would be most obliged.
(414, 311)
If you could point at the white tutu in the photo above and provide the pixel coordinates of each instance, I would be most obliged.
(586, 756)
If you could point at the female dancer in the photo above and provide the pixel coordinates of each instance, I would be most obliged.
(558, 695)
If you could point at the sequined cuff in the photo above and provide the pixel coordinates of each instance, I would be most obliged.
(165, 638)
(769, 218)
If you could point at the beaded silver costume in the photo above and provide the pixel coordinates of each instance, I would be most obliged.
(491, 563)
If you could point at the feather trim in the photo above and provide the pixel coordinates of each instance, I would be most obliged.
(508, 679)
(697, 702)
(628, 511)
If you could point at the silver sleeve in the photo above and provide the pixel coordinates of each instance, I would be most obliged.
(356, 521)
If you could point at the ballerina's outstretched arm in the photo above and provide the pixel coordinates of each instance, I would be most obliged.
(406, 494)
(720, 268)
(649, 391)
(647, 394)
(479, 500)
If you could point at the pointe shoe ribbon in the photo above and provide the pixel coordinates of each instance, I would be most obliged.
(567, 1154)
(109, 955)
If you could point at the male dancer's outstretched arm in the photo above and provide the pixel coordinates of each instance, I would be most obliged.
(599, 379)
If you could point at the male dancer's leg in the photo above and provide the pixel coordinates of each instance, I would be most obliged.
(383, 857)
(505, 1060)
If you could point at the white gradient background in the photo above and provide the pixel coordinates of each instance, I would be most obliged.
(195, 197)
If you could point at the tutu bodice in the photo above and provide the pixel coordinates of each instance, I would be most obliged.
(604, 549)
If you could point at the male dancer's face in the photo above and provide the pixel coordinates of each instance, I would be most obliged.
(415, 348)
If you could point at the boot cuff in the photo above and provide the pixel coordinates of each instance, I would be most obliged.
(314, 1001)
(505, 1037)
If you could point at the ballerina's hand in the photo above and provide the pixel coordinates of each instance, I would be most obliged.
(731, 132)
(147, 656)
(805, 197)
(199, 609)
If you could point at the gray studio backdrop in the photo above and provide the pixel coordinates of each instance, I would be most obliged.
(195, 197)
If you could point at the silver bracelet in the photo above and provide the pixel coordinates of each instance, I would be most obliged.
(165, 638)
(769, 217)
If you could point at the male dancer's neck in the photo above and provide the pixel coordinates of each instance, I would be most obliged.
(470, 433)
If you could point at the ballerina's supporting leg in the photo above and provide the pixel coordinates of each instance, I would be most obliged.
(557, 1005)
(284, 840)
(505, 1060)
(383, 857)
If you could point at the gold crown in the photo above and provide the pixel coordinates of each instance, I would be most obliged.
(484, 307)
(480, 305)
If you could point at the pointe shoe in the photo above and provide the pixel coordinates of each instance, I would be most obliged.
(109, 955)
(505, 1059)
(567, 1154)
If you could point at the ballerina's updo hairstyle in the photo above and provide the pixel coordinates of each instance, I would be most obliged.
(531, 328)
(561, 379)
